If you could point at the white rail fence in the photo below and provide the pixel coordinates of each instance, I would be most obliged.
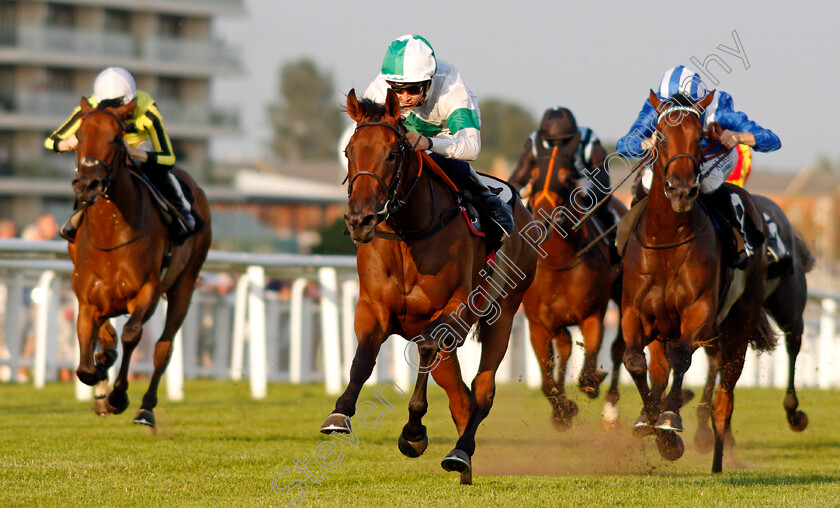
(290, 318)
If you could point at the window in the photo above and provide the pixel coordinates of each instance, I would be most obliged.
(59, 15)
(117, 21)
(8, 23)
(59, 80)
(169, 88)
(170, 26)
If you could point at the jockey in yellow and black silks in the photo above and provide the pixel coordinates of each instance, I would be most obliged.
(146, 140)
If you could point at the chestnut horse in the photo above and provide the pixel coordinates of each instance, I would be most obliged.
(672, 281)
(118, 255)
(575, 281)
(422, 277)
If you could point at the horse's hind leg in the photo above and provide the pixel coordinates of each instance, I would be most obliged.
(140, 308)
(786, 306)
(541, 341)
(704, 439)
(413, 438)
(178, 296)
(797, 420)
(104, 358)
(610, 417)
(591, 378)
(494, 343)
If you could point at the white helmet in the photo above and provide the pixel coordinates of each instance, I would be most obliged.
(114, 83)
(409, 59)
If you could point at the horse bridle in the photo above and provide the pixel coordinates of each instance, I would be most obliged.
(392, 204)
(111, 166)
(681, 155)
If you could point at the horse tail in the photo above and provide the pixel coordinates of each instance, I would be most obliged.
(803, 253)
(763, 338)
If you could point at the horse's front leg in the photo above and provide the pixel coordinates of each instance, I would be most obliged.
(87, 326)
(591, 378)
(636, 364)
(370, 334)
(414, 439)
(140, 309)
(105, 358)
(704, 439)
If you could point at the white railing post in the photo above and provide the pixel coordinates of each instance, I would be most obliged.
(298, 365)
(827, 335)
(330, 340)
(175, 369)
(349, 294)
(402, 371)
(256, 321)
(240, 313)
(533, 373)
(45, 290)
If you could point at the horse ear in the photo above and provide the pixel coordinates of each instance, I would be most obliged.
(654, 100)
(85, 105)
(706, 100)
(392, 106)
(353, 108)
(125, 110)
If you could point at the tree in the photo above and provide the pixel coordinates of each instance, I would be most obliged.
(306, 119)
(505, 127)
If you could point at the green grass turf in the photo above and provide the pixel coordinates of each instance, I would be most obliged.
(221, 448)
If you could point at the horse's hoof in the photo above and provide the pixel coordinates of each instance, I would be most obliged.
(144, 417)
(641, 427)
(413, 449)
(704, 440)
(669, 420)
(336, 422)
(592, 384)
(100, 406)
(670, 445)
(117, 402)
(457, 461)
(610, 419)
(798, 421)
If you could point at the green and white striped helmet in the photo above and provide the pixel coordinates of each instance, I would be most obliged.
(409, 59)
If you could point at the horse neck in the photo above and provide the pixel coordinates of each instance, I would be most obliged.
(563, 243)
(120, 216)
(418, 212)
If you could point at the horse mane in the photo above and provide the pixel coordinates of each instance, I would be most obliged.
(371, 109)
(108, 103)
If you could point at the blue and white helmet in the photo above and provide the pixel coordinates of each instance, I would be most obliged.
(684, 80)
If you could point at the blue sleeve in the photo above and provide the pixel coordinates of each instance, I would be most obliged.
(631, 144)
(765, 139)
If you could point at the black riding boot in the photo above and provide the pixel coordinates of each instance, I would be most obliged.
(71, 226)
(734, 211)
(171, 188)
(490, 201)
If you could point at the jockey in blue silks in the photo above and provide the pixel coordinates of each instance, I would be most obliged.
(736, 128)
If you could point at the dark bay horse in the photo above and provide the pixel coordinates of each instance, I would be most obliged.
(576, 279)
(423, 278)
(118, 255)
(673, 280)
(786, 298)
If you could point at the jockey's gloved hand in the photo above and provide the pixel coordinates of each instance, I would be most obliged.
(136, 153)
(416, 141)
(68, 144)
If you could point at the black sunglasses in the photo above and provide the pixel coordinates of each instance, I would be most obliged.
(413, 89)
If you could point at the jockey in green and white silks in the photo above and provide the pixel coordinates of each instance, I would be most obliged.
(441, 115)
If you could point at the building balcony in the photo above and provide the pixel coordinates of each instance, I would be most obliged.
(62, 47)
(45, 110)
(181, 7)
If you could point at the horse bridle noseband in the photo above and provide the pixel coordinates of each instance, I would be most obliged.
(392, 204)
(110, 166)
(681, 155)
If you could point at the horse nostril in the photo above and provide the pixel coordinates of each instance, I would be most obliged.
(693, 192)
(92, 186)
(368, 220)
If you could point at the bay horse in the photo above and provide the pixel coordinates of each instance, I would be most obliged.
(575, 280)
(786, 298)
(673, 279)
(117, 257)
(422, 277)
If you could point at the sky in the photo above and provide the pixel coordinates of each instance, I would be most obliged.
(597, 58)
